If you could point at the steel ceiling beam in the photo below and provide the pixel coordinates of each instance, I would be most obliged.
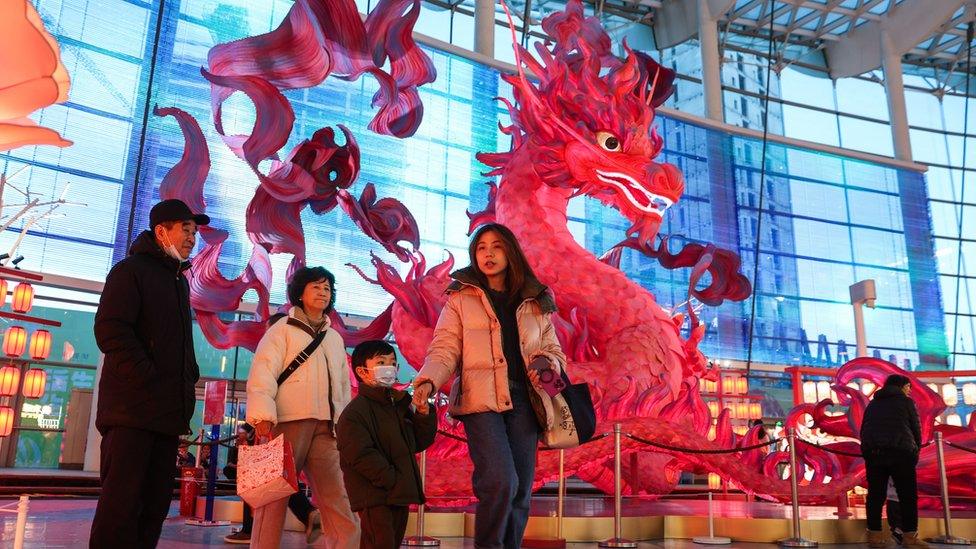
(904, 27)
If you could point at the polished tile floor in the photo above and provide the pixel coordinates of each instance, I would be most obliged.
(55, 523)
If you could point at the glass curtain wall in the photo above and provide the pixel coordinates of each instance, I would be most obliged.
(943, 136)
(851, 113)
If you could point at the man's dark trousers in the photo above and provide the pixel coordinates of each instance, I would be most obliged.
(899, 465)
(138, 471)
(383, 526)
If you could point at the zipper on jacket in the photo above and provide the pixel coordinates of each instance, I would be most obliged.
(403, 434)
(183, 322)
(328, 372)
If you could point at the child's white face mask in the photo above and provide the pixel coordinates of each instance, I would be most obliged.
(384, 375)
(379, 371)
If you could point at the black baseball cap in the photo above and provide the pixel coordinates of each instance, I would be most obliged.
(174, 210)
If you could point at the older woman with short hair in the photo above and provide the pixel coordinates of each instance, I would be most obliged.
(304, 406)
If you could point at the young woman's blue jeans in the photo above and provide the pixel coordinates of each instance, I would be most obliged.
(503, 447)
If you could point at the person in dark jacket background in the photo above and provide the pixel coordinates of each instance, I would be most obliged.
(146, 390)
(378, 435)
(891, 437)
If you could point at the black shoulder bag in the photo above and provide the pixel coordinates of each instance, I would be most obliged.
(302, 357)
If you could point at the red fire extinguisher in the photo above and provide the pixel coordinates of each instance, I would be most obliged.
(190, 479)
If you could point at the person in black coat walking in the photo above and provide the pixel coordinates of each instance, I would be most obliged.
(378, 434)
(146, 391)
(891, 437)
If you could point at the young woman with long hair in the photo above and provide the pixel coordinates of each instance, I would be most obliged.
(496, 322)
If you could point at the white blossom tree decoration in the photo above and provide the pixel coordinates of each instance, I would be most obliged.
(32, 209)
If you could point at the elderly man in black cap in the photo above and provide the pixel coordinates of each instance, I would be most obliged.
(146, 392)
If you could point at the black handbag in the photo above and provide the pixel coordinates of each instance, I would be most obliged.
(575, 420)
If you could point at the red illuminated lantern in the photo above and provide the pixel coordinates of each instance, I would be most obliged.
(714, 481)
(742, 410)
(6, 421)
(34, 381)
(23, 298)
(40, 345)
(14, 341)
(9, 380)
(3, 292)
(741, 385)
(755, 410)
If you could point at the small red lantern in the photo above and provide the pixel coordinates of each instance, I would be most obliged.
(34, 381)
(742, 410)
(3, 292)
(755, 410)
(6, 421)
(40, 345)
(14, 341)
(9, 380)
(741, 385)
(727, 384)
(714, 481)
(23, 298)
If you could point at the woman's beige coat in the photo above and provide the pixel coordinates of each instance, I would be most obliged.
(467, 347)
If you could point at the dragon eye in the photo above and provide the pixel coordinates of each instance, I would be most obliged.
(608, 141)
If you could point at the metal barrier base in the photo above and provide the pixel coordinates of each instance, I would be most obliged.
(618, 542)
(544, 543)
(711, 540)
(421, 541)
(797, 542)
(202, 522)
(949, 540)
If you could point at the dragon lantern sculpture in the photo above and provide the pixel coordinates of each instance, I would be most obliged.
(584, 127)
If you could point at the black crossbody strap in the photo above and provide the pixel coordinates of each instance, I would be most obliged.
(302, 357)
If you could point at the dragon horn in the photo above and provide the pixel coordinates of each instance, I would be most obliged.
(515, 44)
(525, 80)
(650, 93)
(531, 89)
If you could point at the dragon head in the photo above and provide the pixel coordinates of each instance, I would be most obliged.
(587, 122)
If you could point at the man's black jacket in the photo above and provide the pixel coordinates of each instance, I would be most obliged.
(144, 329)
(891, 422)
(378, 435)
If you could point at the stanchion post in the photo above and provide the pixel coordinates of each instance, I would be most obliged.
(214, 407)
(948, 538)
(420, 540)
(556, 542)
(212, 472)
(617, 540)
(797, 540)
(208, 513)
(561, 494)
(711, 539)
(22, 507)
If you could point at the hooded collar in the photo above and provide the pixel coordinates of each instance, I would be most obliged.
(889, 392)
(145, 244)
(533, 289)
(381, 394)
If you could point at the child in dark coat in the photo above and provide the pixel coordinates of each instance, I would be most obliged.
(378, 434)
